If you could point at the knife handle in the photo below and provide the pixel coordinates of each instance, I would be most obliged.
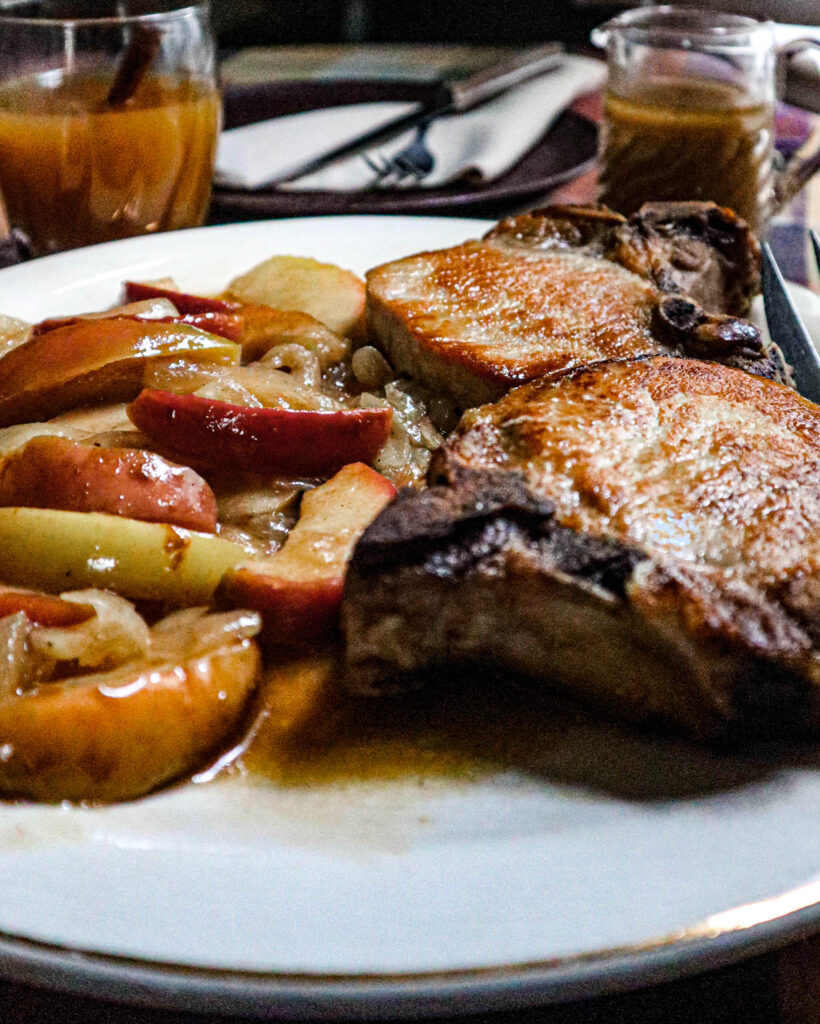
(499, 77)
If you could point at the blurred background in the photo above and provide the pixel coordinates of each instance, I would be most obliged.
(259, 22)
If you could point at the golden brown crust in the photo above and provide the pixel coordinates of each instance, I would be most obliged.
(692, 459)
(482, 315)
(645, 533)
(555, 289)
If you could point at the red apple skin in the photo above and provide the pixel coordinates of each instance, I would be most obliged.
(278, 442)
(298, 591)
(296, 615)
(43, 609)
(225, 325)
(52, 472)
(136, 291)
(94, 361)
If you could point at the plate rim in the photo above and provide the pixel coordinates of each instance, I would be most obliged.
(345, 997)
(299, 996)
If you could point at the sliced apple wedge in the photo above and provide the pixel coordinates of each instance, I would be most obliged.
(262, 326)
(53, 472)
(299, 589)
(118, 734)
(333, 295)
(54, 550)
(277, 442)
(95, 361)
(149, 309)
(226, 325)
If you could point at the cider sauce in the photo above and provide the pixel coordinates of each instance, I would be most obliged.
(74, 171)
(683, 139)
(464, 727)
(310, 732)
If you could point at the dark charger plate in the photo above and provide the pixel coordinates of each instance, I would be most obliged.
(562, 153)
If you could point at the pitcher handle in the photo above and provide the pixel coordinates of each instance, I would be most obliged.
(798, 170)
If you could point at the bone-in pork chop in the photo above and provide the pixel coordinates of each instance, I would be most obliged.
(565, 287)
(645, 533)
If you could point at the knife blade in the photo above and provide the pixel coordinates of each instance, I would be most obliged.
(451, 97)
(787, 330)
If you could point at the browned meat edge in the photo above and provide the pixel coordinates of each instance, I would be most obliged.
(701, 250)
(480, 573)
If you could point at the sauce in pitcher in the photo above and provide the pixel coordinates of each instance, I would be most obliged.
(680, 139)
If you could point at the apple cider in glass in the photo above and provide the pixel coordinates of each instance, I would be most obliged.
(74, 171)
(109, 118)
(689, 110)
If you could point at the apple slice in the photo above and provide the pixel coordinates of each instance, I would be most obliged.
(276, 442)
(55, 550)
(150, 309)
(119, 734)
(331, 294)
(138, 291)
(52, 472)
(95, 361)
(303, 708)
(226, 325)
(299, 589)
(262, 326)
(43, 609)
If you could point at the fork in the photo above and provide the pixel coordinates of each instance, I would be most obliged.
(414, 161)
(786, 328)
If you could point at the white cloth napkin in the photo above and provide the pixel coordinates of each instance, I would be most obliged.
(481, 144)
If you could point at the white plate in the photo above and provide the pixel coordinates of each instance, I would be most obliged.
(597, 860)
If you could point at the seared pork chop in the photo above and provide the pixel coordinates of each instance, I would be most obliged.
(645, 533)
(565, 287)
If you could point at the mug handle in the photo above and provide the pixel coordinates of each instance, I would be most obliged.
(799, 169)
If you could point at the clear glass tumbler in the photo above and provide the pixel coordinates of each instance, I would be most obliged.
(109, 117)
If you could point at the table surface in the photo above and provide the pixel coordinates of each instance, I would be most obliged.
(781, 987)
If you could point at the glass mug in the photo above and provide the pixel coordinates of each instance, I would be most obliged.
(689, 112)
(109, 117)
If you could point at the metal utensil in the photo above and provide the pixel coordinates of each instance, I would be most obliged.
(414, 161)
(787, 329)
(452, 97)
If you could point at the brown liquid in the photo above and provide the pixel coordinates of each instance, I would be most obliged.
(684, 139)
(74, 171)
(464, 728)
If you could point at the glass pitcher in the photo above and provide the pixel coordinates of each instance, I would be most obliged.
(689, 112)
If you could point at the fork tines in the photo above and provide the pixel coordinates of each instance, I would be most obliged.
(411, 164)
(787, 329)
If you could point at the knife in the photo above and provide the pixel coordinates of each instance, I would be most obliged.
(786, 328)
(451, 97)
